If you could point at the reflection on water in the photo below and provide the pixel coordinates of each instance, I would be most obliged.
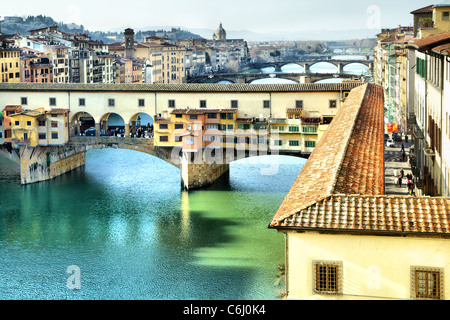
(124, 221)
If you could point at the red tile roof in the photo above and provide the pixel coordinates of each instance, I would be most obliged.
(431, 41)
(341, 186)
(442, 49)
(427, 9)
(58, 111)
(379, 214)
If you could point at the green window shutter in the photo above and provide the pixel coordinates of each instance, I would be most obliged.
(425, 69)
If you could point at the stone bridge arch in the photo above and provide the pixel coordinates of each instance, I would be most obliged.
(110, 122)
(80, 122)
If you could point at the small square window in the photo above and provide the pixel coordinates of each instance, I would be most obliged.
(54, 135)
(171, 103)
(234, 104)
(333, 103)
(141, 103)
(82, 102)
(52, 101)
(299, 104)
(111, 103)
(446, 15)
(24, 101)
(266, 104)
(28, 123)
(202, 103)
(427, 283)
(327, 277)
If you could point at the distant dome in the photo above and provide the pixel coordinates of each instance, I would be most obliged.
(220, 33)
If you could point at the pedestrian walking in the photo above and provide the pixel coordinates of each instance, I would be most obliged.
(400, 182)
(396, 181)
(395, 173)
(403, 147)
(402, 173)
(406, 139)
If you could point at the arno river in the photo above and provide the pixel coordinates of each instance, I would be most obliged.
(123, 223)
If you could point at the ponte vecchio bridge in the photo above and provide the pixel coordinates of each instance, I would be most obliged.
(100, 101)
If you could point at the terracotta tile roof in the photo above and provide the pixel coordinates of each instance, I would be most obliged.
(341, 186)
(431, 41)
(427, 9)
(442, 49)
(13, 108)
(374, 214)
(348, 148)
(362, 169)
(185, 87)
(31, 113)
(58, 111)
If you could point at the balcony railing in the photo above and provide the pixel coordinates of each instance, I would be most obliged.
(21, 141)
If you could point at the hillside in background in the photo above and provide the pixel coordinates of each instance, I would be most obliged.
(23, 25)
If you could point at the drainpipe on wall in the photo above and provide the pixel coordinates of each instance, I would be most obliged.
(286, 262)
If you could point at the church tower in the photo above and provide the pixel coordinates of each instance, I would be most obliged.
(129, 43)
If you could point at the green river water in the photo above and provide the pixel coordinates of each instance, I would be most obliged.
(123, 222)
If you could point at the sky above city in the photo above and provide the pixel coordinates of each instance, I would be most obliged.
(262, 16)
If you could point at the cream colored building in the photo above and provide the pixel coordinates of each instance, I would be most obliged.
(429, 105)
(59, 58)
(345, 239)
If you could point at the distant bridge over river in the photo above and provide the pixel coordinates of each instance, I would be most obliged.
(307, 64)
(243, 77)
(250, 77)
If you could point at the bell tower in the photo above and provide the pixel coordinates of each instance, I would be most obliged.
(129, 43)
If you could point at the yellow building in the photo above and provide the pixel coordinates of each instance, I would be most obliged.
(24, 128)
(37, 127)
(10, 65)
